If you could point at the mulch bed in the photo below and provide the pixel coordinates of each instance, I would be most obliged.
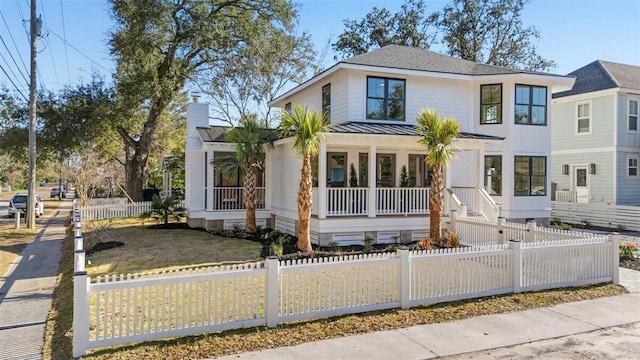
(100, 246)
(633, 264)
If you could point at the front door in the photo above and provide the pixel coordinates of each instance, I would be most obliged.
(581, 184)
(386, 164)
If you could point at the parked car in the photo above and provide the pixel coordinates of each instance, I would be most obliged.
(19, 203)
(55, 192)
(42, 183)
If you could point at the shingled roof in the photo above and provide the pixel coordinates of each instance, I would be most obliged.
(218, 133)
(411, 58)
(601, 75)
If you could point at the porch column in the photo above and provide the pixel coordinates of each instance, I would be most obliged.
(268, 180)
(371, 210)
(211, 175)
(322, 181)
(480, 175)
(447, 178)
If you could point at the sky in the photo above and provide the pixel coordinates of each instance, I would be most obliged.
(573, 33)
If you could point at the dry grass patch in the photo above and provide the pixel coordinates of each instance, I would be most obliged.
(147, 249)
(12, 242)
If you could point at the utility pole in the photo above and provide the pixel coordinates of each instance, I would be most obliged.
(35, 32)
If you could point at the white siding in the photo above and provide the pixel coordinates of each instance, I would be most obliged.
(286, 177)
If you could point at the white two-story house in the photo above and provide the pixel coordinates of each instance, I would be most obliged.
(595, 142)
(502, 166)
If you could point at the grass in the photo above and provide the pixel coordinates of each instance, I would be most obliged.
(148, 249)
(12, 242)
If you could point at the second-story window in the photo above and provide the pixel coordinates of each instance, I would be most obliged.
(491, 104)
(287, 107)
(583, 118)
(385, 98)
(326, 101)
(531, 105)
(632, 124)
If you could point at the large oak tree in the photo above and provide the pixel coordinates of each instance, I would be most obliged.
(160, 45)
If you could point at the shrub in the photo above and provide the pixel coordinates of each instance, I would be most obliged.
(452, 239)
(368, 245)
(621, 227)
(277, 247)
(628, 251)
(335, 248)
(163, 209)
(425, 243)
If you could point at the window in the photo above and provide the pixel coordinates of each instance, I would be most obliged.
(491, 104)
(493, 174)
(419, 172)
(530, 176)
(531, 105)
(287, 107)
(385, 98)
(336, 169)
(583, 118)
(363, 169)
(632, 124)
(632, 167)
(326, 101)
(225, 179)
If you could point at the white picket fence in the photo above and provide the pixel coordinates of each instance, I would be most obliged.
(598, 214)
(475, 231)
(121, 309)
(117, 210)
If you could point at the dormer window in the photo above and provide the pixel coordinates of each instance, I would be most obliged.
(385, 98)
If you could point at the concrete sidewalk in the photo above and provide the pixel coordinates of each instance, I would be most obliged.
(479, 333)
(27, 290)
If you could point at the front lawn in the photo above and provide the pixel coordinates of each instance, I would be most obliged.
(12, 242)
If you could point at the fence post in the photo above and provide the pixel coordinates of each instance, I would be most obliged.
(516, 245)
(271, 292)
(452, 220)
(80, 306)
(615, 242)
(405, 278)
(464, 209)
(529, 236)
(500, 230)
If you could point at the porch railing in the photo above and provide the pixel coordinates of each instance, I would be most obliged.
(478, 201)
(232, 198)
(400, 201)
(347, 201)
(566, 196)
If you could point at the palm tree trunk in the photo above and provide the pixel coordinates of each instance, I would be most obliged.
(305, 199)
(250, 200)
(435, 203)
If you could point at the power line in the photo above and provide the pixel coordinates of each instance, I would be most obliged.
(53, 63)
(76, 49)
(14, 84)
(15, 45)
(64, 33)
(14, 61)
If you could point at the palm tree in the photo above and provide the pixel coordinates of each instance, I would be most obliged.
(307, 127)
(250, 139)
(437, 136)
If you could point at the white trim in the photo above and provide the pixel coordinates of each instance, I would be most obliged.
(589, 117)
(637, 114)
(584, 150)
(615, 144)
(637, 159)
(585, 96)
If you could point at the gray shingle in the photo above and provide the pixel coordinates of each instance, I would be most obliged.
(410, 58)
(601, 75)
